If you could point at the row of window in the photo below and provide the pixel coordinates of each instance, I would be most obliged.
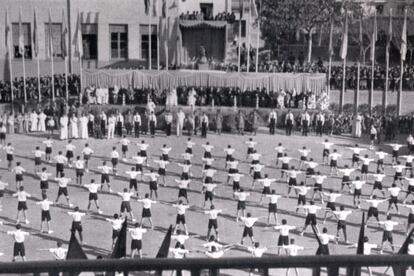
(118, 40)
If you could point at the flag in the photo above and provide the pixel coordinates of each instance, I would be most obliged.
(77, 41)
(147, 6)
(356, 271)
(21, 35)
(361, 40)
(331, 52)
(254, 9)
(401, 270)
(164, 8)
(403, 49)
(165, 245)
(121, 242)
(50, 37)
(75, 251)
(389, 35)
(344, 47)
(241, 9)
(35, 35)
(374, 37)
(64, 36)
(7, 31)
(154, 8)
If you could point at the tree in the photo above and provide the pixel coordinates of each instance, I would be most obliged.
(282, 19)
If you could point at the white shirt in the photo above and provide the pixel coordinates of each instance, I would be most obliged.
(165, 151)
(105, 169)
(124, 142)
(381, 154)
(366, 161)
(312, 209)
(38, 153)
(116, 223)
(394, 191)
(183, 184)
(63, 181)
(80, 164)
(139, 159)
(319, 178)
(388, 225)
(136, 233)
(212, 213)
(93, 187)
(279, 149)
(229, 151)
(357, 150)
(342, 215)
(284, 229)
(133, 174)
(267, 181)
(87, 151)
(59, 253)
(273, 198)
(368, 247)
(146, 202)
(304, 152)
(19, 170)
(70, 147)
(19, 235)
(180, 238)
(332, 196)
(250, 144)
(143, 146)
(60, 159)
(21, 195)
(181, 208)
(311, 164)
(378, 177)
(375, 202)
(48, 143)
(327, 145)
(126, 196)
(45, 204)
(293, 249)
(208, 148)
(241, 196)
(77, 216)
(325, 238)
(257, 252)
(114, 154)
(236, 176)
(335, 156)
(358, 184)
(249, 222)
(178, 253)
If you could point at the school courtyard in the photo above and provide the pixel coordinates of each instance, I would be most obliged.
(97, 231)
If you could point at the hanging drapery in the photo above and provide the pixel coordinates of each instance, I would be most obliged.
(161, 80)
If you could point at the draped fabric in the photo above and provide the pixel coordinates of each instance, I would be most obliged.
(203, 24)
(161, 80)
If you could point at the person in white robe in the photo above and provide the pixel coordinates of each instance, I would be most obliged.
(64, 120)
(74, 131)
(192, 98)
(357, 129)
(83, 127)
(171, 98)
(41, 125)
(33, 121)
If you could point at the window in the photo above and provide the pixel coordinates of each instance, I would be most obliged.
(243, 28)
(90, 41)
(119, 41)
(56, 39)
(144, 31)
(207, 10)
(27, 38)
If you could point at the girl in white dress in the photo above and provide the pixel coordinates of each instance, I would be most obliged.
(42, 122)
(74, 132)
(64, 120)
(33, 121)
(83, 131)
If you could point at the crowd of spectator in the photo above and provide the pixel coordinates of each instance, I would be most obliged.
(32, 92)
(200, 16)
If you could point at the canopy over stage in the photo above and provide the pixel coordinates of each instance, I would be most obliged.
(209, 34)
(161, 80)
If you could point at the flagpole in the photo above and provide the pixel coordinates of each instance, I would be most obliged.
(9, 57)
(342, 94)
(167, 56)
(80, 78)
(37, 57)
(158, 44)
(249, 18)
(374, 37)
(403, 53)
(150, 35)
(66, 79)
(387, 64)
(330, 57)
(240, 36)
(24, 77)
(257, 45)
(356, 95)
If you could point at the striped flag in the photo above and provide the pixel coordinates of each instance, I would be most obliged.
(374, 37)
(403, 49)
(241, 9)
(64, 35)
(164, 8)
(35, 35)
(21, 35)
(344, 46)
(389, 35)
(50, 37)
(7, 31)
(331, 29)
(361, 40)
(154, 8)
(77, 41)
(147, 6)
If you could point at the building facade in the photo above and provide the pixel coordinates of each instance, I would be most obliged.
(115, 34)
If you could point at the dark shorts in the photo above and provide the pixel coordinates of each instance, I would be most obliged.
(266, 190)
(331, 205)
(410, 218)
(124, 148)
(79, 172)
(255, 161)
(69, 154)
(212, 223)
(310, 219)
(104, 178)
(292, 181)
(393, 200)
(372, 137)
(180, 219)
(373, 212)
(46, 216)
(184, 176)
(44, 185)
(37, 161)
(303, 158)
(236, 186)
(86, 157)
(364, 169)
(410, 189)
(285, 166)
(165, 157)
(138, 167)
(257, 175)
(208, 180)
(248, 231)
(317, 187)
(77, 226)
(21, 205)
(207, 154)
(133, 183)
(334, 163)
(398, 176)
(208, 196)
(387, 236)
(233, 171)
(93, 196)
(114, 161)
(189, 150)
(182, 193)
(59, 167)
(125, 205)
(279, 154)
(380, 161)
(18, 249)
(161, 171)
(136, 245)
(357, 192)
(115, 234)
(207, 166)
(272, 208)
(250, 150)
(310, 171)
(63, 191)
(48, 150)
(283, 240)
(377, 185)
(19, 177)
(241, 205)
(395, 153)
(146, 213)
(325, 153)
(355, 158)
(143, 153)
(1, 193)
(341, 225)
(302, 199)
(9, 157)
(153, 185)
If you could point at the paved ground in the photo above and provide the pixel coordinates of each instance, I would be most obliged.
(98, 231)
